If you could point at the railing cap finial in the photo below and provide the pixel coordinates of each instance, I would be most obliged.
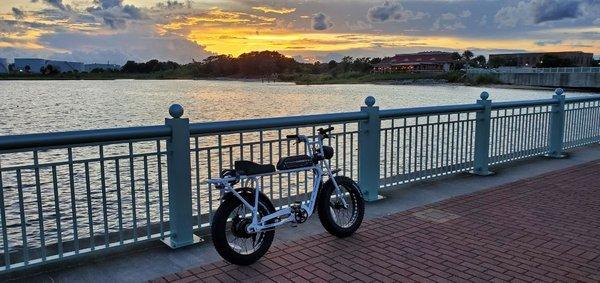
(559, 91)
(370, 101)
(176, 111)
(484, 95)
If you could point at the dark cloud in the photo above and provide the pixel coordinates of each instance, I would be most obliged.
(107, 4)
(321, 21)
(18, 13)
(172, 5)
(392, 11)
(385, 12)
(114, 14)
(56, 4)
(541, 11)
(554, 10)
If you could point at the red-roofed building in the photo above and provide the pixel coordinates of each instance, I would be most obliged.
(422, 62)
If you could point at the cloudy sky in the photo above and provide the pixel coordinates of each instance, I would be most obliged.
(186, 30)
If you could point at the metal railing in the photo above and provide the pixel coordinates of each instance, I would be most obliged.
(526, 70)
(76, 193)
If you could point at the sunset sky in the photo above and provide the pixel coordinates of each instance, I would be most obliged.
(182, 31)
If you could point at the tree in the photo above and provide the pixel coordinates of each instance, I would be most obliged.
(49, 70)
(332, 64)
(479, 61)
(467, 55)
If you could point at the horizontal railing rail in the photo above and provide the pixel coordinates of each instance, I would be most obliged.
(67, 194)
(529, 70)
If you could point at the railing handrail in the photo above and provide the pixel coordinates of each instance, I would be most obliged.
(416, 111)
(40, 140)
(275, 122)
(71, 138)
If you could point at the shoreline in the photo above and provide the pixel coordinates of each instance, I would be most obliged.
(417, 82)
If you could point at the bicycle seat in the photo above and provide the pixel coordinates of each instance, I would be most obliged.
(250, 168)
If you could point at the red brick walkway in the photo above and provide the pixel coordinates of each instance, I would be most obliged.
(545, 229)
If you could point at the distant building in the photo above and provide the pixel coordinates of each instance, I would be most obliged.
(66, 66)
(35, 66)
(3, 66)
(106, 67)
(422, 62)
(577, 58)
(29, 65)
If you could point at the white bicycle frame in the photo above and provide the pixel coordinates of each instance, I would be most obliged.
(262, 224)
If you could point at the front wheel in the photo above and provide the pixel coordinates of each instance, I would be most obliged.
(229, 234)
(339, 220)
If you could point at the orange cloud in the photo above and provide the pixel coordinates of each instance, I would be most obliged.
(281, 11)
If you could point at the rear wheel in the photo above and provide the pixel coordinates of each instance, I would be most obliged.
(339, 220)
(229, 235)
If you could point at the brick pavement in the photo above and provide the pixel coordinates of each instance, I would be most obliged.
(543, 229)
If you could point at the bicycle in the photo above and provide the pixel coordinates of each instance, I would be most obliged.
(243, 226)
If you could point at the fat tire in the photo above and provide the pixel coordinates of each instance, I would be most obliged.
(219, 232)
(323, 207)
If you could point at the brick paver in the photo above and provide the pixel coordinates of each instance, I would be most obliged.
(543, 229)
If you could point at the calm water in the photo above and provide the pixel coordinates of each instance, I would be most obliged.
(49, 106)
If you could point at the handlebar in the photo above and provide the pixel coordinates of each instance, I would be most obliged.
(326, 130)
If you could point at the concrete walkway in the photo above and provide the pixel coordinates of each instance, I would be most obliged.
(543, 229)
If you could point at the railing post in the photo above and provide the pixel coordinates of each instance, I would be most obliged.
(557, 126)
(179, 180)
(369, 151)
(482, 137)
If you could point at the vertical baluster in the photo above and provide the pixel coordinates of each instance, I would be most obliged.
(385, 153)
(133, 200)
(271, 162)
(398, 136)
(119, 208)
(410, 160)
(298, 173)
(147, 194)
(161, 214)
(57, 212)
(73, 201)
(104, 203)
(352, 156)
(3, 222)
(289, 176)
(344, 130)
(38, 192)
(198, 195)
(24, 237)
(88, 190)
(280, 156)
(209, 176)
(261, 157)
(241, 146)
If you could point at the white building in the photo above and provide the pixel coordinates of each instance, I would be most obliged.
(106, 67)
(29, 65)
(3, 66)
(34, 65)
(65, 66)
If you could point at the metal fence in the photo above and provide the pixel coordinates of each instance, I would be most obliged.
(526, 70)
(77, 193)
